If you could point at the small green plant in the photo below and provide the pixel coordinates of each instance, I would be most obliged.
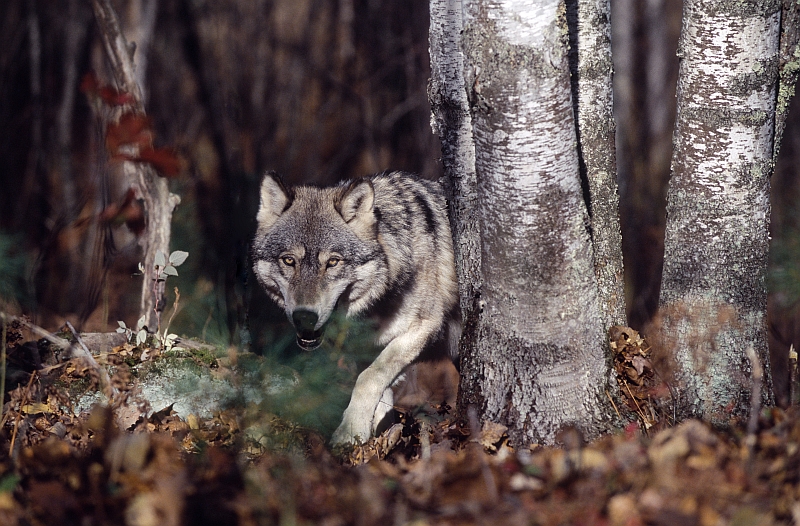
(165, 268)
(162, 269)
(140, 331)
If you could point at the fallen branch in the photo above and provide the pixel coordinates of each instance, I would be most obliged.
(61, 343)
(105, 381)
(79, 350)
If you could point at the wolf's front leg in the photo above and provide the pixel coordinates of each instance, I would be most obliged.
(385, 405)
(358, 419)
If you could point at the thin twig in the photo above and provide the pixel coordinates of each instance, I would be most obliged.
(613, 404)
(157, 295)
(80, 341)
(25, 398)
(639, 410)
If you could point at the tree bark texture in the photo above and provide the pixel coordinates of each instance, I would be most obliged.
(159, 203)
(592, 70)
(713, 297)
(452, 122)
(538, 363)
(789, 67)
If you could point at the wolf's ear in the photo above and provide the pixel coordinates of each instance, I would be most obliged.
(275, 199)
(356, 201)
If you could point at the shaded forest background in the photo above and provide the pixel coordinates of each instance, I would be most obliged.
(317, 90)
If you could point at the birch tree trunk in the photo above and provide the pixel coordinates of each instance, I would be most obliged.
(452, 121)
(713, 297)
(590, 40)
(537, 362)
(159, 203)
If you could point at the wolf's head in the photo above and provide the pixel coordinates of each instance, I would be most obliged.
(315, 246)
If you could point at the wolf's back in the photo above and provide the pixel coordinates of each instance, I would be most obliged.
(414, 232)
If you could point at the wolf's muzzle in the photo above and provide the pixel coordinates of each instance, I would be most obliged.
(305, 322)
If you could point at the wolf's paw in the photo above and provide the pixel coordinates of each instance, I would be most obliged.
(351, 433)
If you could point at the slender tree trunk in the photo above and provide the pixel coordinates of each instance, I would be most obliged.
(537, 361)
(153, 190)
(645, 37)
(77, 23)
(713, 296)
(789, 67)
(592, 70)
(33, 170)
(452, 121)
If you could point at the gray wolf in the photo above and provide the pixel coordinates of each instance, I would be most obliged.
(379, 246)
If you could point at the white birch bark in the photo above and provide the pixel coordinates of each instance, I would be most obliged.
(713, 297)
(451, 120)
(539, 362)
(596, 137)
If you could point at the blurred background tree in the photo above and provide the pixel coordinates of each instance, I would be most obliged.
(318, 91)
(315, 90)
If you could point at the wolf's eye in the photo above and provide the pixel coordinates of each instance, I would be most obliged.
(288, 261)
(332, 262)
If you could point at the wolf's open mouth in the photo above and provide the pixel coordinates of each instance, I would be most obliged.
(309, 341)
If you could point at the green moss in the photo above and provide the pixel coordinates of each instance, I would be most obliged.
(203, 356)
(76, 388)
(786, 87)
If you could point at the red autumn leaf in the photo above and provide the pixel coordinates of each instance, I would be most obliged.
(164, 160)
(114, 97)
(91, 85)
(131, 130)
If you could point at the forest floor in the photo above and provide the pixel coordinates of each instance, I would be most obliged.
(59, 467)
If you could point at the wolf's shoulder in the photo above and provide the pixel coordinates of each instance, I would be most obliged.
(405, 183)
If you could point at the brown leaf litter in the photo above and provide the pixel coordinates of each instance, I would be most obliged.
(114, 466)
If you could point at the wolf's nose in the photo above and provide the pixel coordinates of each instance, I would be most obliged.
(304, 320)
